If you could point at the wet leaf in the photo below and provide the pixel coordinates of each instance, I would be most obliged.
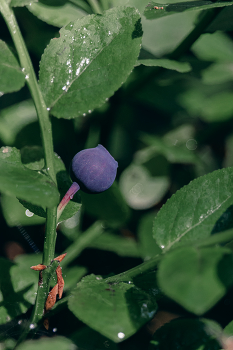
(58, 15)
(191, 213)
(12, 77)
(181, 67)
(116, 310)
(26, 184)
(90, 52)
(196, 278)
(156, 10)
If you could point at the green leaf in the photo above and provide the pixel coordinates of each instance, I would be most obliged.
(116, 310)
(12, 77)
(170, 147)
(185, 334)
(14, 119)
(56, 343)
(205, 47)
(218, 107)
(15, 214)
(224, 21)
(109, 205)
(73, 275)
(196, 278)
(57, 16)
(156, 10)
(122, 246)
(139, 4)
(140, 190)
(190, 214)
(20, 3)
(218, 73)
(228, 330)
(97, 49)
(26, 184)
(32, 158)
(18, 286)
(181, 67)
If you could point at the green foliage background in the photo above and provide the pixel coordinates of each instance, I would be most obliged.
(160, 239)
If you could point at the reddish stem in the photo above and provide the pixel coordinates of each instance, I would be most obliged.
(67, 197)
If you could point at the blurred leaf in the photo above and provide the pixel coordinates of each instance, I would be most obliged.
(15, 3)
(33, 157)
(56, 343)
(162, 36)
(17, 289)
(15, 214)
(26, 184)
(205, 47)
(196, 278)
(147, 244)
(228, 330)
(87, 57)
(57, 16)
(157, 10)
(141, 191)
(12, 77)
(218, 73)
(224, 21)
(184, 334)
(88, 339)
(14, 119)
(73, 275)
(190, 214)
(218, 107)
(109, 205)
(181, 67)
(122, 307)
(139, 4)
(175, 152)
(122, 246)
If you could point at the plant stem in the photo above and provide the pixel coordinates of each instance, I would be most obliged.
(47, 142)
(95, 6)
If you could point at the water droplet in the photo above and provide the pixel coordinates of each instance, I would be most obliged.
(162, 246)
(64, 88)
(1, 93)
(48, 109)
(84, 114)
(27, 76)
(109, 33)
(32, 326)
(89, 111)
(29, 213)
(23, 69)
(191, 144)
(52, 79)
(121, 335)
(68, 62)
(54, 330)
(20, 321)
(130, 282)
(67, 83)
(70, 71)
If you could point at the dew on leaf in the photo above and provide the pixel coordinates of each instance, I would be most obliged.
(121, 335)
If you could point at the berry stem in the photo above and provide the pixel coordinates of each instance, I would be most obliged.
(67, 197)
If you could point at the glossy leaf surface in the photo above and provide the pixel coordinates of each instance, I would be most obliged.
(190, 214)
(116, 310)
(26, 184)
(19, 3)
(156, 10)
(12, 77)
(90, 52)
(196, 278)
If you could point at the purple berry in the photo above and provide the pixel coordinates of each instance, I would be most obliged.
(94, 169)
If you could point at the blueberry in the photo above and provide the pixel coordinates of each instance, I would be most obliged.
(94, 169)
